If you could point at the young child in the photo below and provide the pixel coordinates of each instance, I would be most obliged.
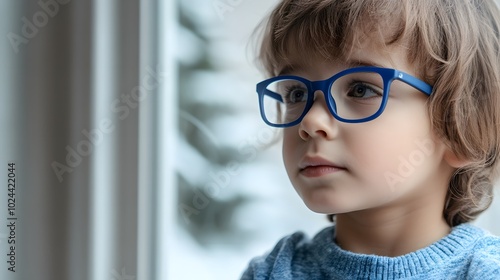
(390, 113)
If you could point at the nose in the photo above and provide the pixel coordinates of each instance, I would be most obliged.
(318, 122)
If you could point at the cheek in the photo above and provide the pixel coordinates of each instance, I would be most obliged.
(382, 147)
(290, 147)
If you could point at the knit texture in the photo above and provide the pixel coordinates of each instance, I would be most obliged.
(468, 252)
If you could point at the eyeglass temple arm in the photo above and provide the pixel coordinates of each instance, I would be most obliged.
(416, 83)
(273, 95)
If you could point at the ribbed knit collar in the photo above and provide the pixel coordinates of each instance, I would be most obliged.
(342, 262)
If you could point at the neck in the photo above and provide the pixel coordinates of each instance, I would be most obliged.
(392, 231)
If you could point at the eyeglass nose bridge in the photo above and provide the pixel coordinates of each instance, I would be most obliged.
(324, 87)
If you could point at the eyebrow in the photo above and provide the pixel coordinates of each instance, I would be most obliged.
(351, 63)
(286, 70)
(363, 63)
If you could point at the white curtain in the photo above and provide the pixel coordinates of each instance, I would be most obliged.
(82, 83)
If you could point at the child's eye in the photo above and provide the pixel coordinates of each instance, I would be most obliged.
(363, 90)
(295, 94)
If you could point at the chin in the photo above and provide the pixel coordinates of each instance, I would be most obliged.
(329, 208)
(327, 200)
(332, 205)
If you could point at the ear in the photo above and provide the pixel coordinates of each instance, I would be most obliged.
(453, 160)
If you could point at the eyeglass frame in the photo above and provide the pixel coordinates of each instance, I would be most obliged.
(388, 76)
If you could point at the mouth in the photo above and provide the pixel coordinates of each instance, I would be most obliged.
(317, 167)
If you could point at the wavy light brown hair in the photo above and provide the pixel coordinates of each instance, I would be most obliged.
(454, 46)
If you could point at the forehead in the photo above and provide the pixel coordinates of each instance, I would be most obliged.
(362, 51)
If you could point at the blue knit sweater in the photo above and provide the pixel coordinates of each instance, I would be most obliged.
(468, 252)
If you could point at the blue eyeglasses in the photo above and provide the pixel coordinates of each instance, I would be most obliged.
(353, 96)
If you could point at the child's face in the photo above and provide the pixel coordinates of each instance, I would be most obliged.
(393, 160)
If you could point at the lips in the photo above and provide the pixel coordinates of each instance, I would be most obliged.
(317, 167)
